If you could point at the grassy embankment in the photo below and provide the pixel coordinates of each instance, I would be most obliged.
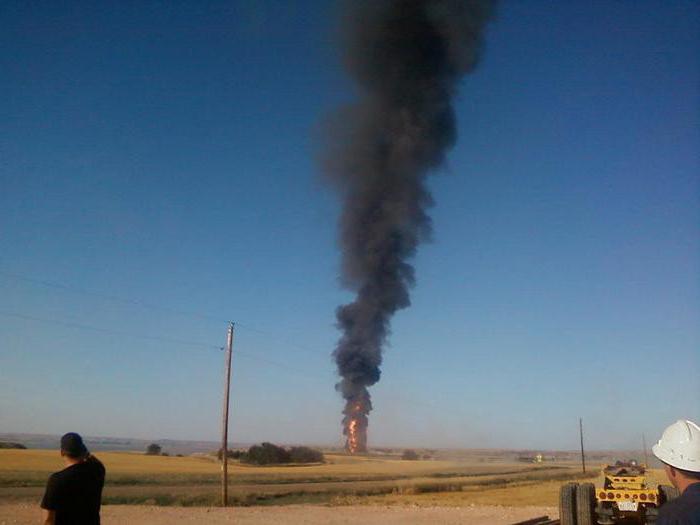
(135, 478)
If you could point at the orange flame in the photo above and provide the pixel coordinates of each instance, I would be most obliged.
(353, 439)
(356, 428)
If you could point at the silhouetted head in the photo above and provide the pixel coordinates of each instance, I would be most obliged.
(72, 446)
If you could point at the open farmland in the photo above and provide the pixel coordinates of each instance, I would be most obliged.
(24, 514)
(469, 488)
(134, 478)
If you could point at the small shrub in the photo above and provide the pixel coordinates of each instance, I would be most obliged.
(409, 455)
(153, 449)
(270, 454)
(266, 454)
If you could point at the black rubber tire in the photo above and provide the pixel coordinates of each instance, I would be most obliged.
(585, 504)
(667, 493)
(651, 514)
(567, 504)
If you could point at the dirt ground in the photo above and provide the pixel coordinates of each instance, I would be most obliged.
(26, 514)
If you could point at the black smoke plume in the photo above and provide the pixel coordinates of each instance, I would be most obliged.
(407, 57)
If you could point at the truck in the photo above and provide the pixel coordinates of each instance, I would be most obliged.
(624, 497)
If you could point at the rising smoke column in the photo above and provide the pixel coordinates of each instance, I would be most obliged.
(407, 57)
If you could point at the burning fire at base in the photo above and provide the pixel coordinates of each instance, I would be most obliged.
(355, 426)
(353, 437)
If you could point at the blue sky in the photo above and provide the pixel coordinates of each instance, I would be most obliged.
(165, 153)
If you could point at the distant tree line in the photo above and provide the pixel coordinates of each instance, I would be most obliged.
(412, 455)
(271, 454)
(7, 444)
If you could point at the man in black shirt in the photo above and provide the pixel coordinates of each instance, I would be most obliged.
(74, 494)
(679, 449)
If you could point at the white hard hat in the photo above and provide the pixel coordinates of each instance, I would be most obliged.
(679, 446)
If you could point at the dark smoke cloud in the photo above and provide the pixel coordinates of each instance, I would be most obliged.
(407, 57)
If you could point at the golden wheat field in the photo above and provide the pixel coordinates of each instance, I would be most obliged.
(131, 464)
(117, 462)
(135, 478)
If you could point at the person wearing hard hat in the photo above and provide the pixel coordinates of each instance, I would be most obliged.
(679, 450)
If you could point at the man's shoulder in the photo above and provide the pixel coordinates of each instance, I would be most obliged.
(684, 509)
(59, 475)
(90, 467)
(693, 490)
(57, 481)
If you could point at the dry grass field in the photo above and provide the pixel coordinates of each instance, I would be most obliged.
(121, 463)
(26, 514)
(134, 478)
(47, 461)
(30, 467)
(515, 494)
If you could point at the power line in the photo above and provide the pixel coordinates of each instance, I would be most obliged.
(108, 330)
(246, 355)
(110, 297)
(170, 340)
(152, 306)
(147, 305)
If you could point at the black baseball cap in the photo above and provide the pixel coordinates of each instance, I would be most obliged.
(72, 444)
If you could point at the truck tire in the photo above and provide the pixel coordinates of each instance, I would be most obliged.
(585, 504)
(651, 514)
(667, 493)
(567, 504)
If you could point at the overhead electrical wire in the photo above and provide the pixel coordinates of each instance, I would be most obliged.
(109, 297)
(151, 306)
(123, 333)
(169, 340)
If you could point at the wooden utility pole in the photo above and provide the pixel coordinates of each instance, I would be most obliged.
(224, 431)
(583, 456)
